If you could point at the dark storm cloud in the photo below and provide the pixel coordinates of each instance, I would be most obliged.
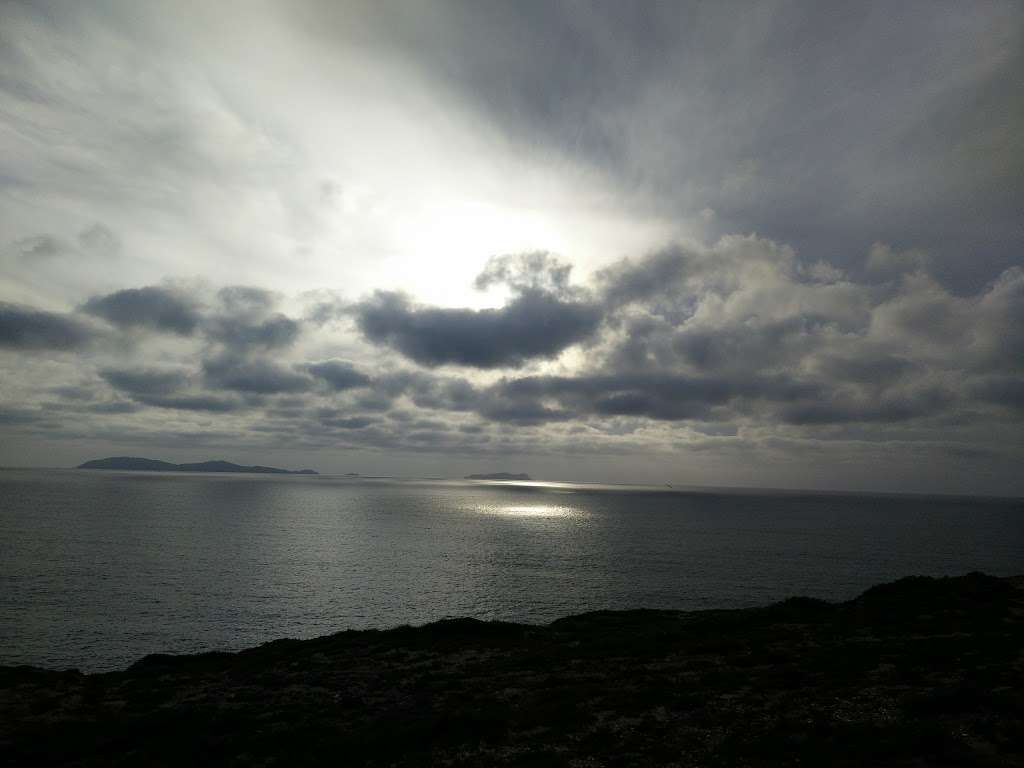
(533, 325)
(152, 307)
(26, 328)
(339, 374)
(261, 377)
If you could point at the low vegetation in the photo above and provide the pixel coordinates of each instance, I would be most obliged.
(920, 672)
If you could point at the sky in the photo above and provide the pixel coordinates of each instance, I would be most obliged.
(772, 244)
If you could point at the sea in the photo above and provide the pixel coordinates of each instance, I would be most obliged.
(100, 568)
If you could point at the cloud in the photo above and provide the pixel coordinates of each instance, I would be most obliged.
(164, 388)
(18, 416)
(100, 239)
(146, 381)
(113, 407)
(338, 374)
(240, 333)
(1005, 391)
(876, 152)
(38, 247)
(152, 307)
(74, 392)
(533, 325)
(246, 300)
(884, 260)
(877, 368)
(653, 275)
(731, 342)
(536, 271)
(199, 402)
(659, 396)
(261, 377)
(780, 120)
(246, 320)
(346, 422)
(890, 410)
(242, 318)
(26, 328)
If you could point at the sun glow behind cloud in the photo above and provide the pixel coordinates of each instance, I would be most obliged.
(319, 153)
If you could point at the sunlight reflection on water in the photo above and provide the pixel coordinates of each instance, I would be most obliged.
(534, 510)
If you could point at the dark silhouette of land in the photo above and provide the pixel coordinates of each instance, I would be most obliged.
(155, 465)
(499, 476)
(920, 672)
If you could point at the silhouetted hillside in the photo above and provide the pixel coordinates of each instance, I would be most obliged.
(920, 672)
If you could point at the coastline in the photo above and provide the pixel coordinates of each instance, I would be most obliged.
(918, 671)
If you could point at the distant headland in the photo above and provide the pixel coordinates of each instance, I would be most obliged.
(155, 465)
(499, 476)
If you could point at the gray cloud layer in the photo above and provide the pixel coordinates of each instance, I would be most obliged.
(873, 328)
(738, 343)
(828, 125)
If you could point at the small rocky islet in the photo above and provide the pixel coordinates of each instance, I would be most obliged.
(919, 672)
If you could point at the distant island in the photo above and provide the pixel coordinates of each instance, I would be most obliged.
(155, 465)
(499, 476)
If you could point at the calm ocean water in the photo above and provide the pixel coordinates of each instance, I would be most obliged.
(100, 568)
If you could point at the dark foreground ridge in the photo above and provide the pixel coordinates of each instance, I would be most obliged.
(155, 465)
(921, 672)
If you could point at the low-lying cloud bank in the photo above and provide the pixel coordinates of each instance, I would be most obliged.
(736, 346)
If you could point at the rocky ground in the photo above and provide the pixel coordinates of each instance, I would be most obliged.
(921, 672)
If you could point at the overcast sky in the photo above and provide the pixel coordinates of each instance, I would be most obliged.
(762, 244)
